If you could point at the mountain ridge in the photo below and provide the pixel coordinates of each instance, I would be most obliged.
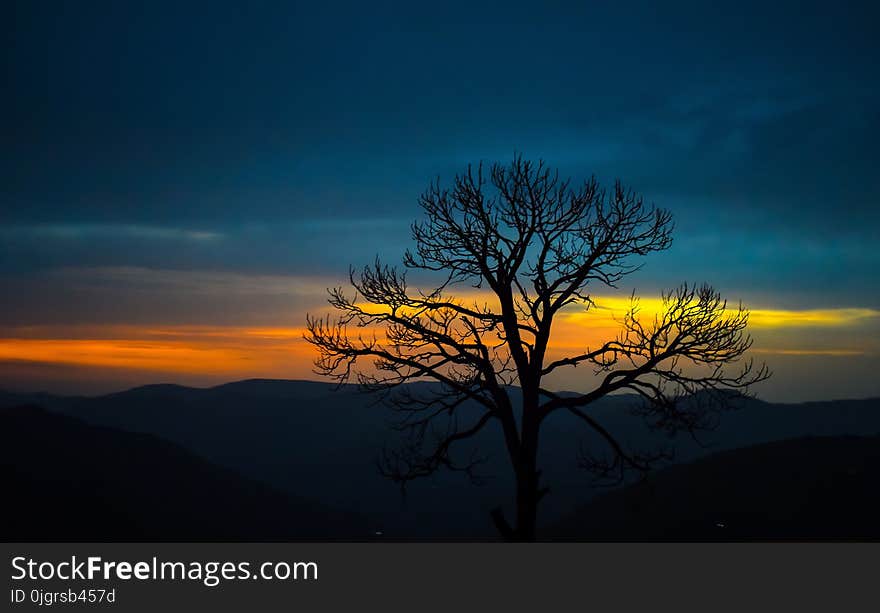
(306, 439)
(262, 381)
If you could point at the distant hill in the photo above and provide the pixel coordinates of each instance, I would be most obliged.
(305, 438)
(816, 488)
(309, 439)
(65, 480)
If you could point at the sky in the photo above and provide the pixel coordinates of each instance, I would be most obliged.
(181, 181)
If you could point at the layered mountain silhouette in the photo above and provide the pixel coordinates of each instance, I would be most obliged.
(312, 442)
(65, 480)
(814, 488)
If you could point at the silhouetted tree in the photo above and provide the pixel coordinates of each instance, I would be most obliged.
(539, 246)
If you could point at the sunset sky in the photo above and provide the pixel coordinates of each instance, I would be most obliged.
(180, 184)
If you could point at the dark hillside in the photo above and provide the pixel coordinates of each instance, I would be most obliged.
(65, 480)
(817, 488)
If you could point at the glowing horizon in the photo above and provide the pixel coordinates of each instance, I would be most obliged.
(280, 352)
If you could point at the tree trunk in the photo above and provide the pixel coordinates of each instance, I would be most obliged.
(527, 475)
(524, 457)
(526, 501)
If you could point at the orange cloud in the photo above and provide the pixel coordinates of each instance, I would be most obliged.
(279, 351)
(227, 351)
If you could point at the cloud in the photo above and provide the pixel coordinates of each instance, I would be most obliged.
(143, 353)
(810, 318)
(232, 352)
(610, 309)
(90, 231)
(811, 352)
(145, 296)
(198, 282)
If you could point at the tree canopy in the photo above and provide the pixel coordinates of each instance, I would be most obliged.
(529, 245)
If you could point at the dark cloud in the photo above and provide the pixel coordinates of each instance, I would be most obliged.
(284, 131)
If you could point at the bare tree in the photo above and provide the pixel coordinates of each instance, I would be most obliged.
(536, 245)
